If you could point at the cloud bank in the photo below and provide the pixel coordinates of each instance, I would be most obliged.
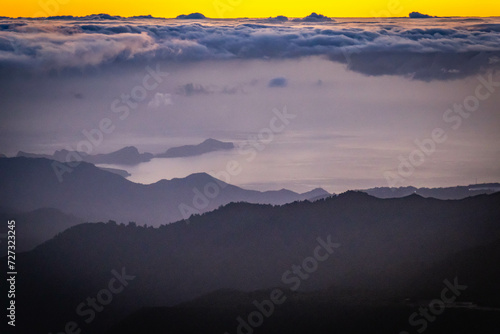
(451, 48)
(278, 82)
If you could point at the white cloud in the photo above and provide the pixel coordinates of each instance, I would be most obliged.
(160, 100)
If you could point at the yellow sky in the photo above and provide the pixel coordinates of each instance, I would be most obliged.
(250, 8)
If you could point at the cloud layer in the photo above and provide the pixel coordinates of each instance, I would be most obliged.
(450, 48)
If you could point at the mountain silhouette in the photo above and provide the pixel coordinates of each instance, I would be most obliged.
(385, 244)
(92, 194)
(130, 155)
(209, 145)
(457, 192)
(126, 156)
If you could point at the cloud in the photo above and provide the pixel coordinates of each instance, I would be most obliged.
(160, 100)
(192, 16)
(313, 17)
(277, 19)
(85, 18)
(417, 15)
(278, 82)
(191, 89)
(379, 49)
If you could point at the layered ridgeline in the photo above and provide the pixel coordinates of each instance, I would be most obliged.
(130, 155)
(92, 194)
(338, 310)
(457, 192)
(35, 227)
(474, 308)
(367, 249)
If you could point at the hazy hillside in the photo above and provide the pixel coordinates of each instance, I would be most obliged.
(457, 192)
(383, 245)
(90, 193)
(35, 227)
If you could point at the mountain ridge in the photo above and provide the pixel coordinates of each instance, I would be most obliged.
(249, 247)
(95, 195)
(130, 155)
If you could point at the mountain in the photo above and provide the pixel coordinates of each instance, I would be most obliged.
(209, 145)
(130, 155)
(88, 192)
(336, 310)
(126, 156)
(380, 252)
(2, 156)
(121, 172)
(458, 192)
(36, 227)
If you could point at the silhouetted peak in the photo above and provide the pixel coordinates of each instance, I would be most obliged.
(207, 146)
(354, 195)
(198, 179)
(317, 192)
(211, 140)
(414, 196)
(216, 143)
(129, 150)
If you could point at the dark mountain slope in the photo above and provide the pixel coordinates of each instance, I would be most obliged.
(345, 310)
(247, 247)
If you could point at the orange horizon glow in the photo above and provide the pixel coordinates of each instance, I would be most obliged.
(249, 8)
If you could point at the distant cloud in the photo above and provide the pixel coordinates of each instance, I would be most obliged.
(192, 16)
(160, 100)
(190, 89)
(88, 17)
(417, 15)
(494, 60)
(278, 82)
(277, 19)
(314, 18)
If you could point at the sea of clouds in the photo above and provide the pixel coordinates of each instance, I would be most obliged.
(440, 48)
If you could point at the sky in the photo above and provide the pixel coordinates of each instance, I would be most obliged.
(363, 93)
(249, 8)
